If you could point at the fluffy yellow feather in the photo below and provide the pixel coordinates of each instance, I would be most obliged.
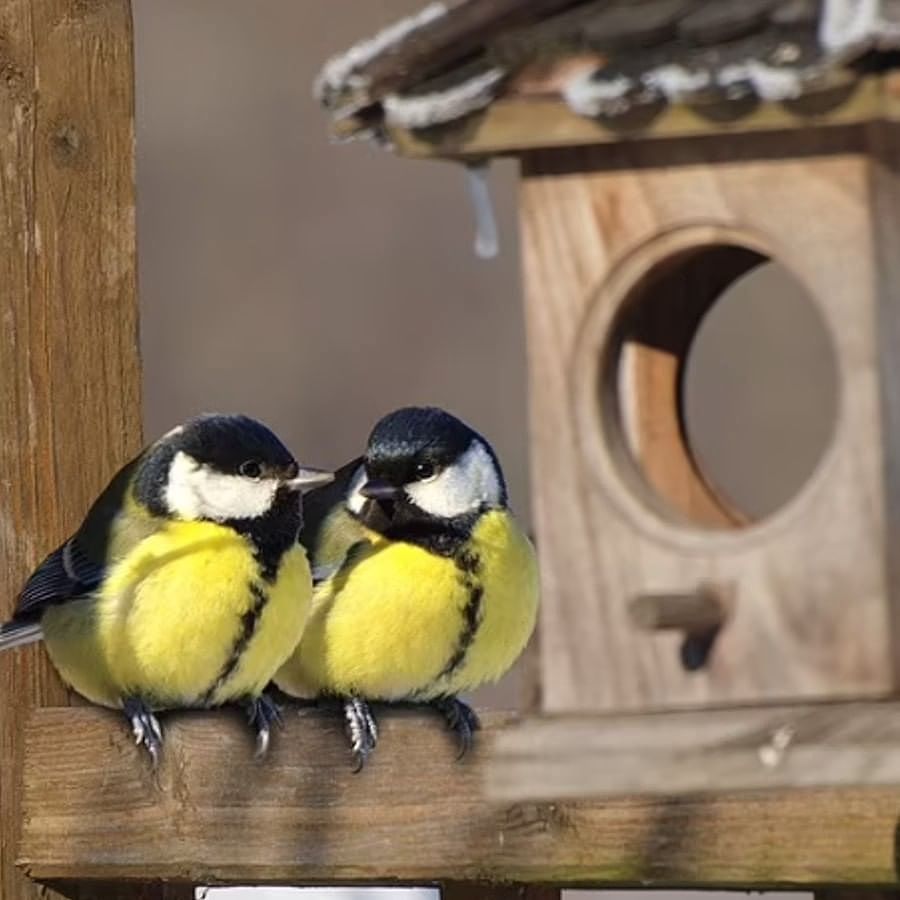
(430, 588)
(386, 626)
(185, 585)
(166, 619)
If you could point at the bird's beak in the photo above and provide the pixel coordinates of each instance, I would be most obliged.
(374, 489)
(307, 477)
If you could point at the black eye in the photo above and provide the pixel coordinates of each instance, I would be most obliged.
(424, 470)
(250, 469)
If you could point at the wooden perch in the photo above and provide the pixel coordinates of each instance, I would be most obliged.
(696, 613)
(826, 745)
(94, 810)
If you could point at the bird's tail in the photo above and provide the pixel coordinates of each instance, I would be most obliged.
(17, 634)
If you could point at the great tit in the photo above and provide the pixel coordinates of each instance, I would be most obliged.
(429, 586)
(185, 585)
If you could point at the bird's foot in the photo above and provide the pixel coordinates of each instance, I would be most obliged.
(461, 719)
(145, 727)
(262, 714)
(361, 729)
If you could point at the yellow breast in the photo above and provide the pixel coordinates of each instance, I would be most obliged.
(183, 619)
(387, 626)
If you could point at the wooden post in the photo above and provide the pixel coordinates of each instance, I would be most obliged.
(69, 369)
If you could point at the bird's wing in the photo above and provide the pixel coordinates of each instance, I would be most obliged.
(79, 565)
(64, 574)
(319, 503)
(329, 531)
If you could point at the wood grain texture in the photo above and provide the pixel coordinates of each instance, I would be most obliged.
(69, 372)
(884, 187)
(476, 891)
(693, 753)
(811, 599)
(652, 337)
(415, 815)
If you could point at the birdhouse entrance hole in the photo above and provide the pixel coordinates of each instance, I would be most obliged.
(719, 385)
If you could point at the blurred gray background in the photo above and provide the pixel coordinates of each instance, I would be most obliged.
(318, 286)
(311, 285)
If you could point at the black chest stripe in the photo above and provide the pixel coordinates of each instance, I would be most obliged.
(249, 621)
(469, 566)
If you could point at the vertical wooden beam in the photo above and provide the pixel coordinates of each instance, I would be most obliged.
(884, 190)
(69, 367)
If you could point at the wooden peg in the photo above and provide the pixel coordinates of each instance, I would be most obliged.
(699, 615)
(694, 613)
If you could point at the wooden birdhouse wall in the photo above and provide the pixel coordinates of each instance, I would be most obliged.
(625, 247)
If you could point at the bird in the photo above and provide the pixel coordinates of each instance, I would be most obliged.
(185, 585)
(426, 586)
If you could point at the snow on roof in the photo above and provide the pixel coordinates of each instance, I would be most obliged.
(457, 57)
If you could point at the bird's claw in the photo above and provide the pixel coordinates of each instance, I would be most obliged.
(461, 719)
(145, 727)
(361, 729)
(262, 714)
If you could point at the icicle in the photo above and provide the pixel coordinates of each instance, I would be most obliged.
(486, 242)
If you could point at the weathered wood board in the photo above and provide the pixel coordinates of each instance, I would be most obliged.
(565, 758)
(813, 599)
(93, 809)
(529, 120)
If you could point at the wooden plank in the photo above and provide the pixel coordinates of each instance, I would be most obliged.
(885, 198)
(665, 754)
(94, 890)
(213, 814)
(69, 372)
(855, 894)
(595, 223)
(696, 613)
(517, 124)
(477, 891)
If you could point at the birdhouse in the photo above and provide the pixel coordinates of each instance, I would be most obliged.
(668, 148)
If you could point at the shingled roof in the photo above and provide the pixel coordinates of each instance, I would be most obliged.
(620, 63)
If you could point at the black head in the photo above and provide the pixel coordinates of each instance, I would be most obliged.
(425, 470)
(220, 468)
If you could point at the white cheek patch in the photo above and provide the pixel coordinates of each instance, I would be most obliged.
(355, 500)
(470, 483)
(195, 491)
